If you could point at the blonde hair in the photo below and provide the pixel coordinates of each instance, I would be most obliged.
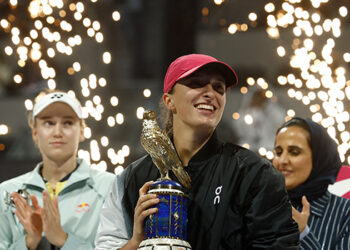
(31, 121)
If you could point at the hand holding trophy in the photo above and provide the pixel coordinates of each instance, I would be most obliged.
(167, 228)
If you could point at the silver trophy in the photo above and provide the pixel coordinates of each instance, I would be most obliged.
(9, 200)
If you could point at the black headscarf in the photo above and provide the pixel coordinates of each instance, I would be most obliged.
(325, 165)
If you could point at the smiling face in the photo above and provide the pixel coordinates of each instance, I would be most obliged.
(57, 132)
(197, 102)
(293, 155)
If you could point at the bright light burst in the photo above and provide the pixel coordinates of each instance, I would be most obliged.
(248, 119)
(55, 29)
(3, 129)
(315, 79)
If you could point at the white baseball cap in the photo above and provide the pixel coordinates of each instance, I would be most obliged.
(48, 99)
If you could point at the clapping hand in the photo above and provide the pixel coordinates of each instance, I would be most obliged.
(36, 220)
(51, 219)
(30, 219)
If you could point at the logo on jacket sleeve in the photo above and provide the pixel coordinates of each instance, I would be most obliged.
(83, 207)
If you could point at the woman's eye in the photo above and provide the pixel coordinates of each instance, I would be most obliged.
(68, 123)
(220, 89)
(294, 152)
(278, 152)
(48, 123)
(194, 84)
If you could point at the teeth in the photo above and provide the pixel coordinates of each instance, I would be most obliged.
(205, 106)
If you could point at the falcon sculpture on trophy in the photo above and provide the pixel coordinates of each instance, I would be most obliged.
(167, 229)
(157, 143)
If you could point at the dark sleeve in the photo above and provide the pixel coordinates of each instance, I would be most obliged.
(310, 242)
(268, 216)
(332, 229)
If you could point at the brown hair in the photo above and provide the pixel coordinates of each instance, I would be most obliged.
(166, 116)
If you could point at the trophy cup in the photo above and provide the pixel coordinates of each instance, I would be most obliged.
(9, 200)
(166, 229)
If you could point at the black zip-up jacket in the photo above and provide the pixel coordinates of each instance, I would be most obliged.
(237, 199)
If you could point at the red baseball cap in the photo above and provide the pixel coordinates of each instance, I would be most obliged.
(188, 64)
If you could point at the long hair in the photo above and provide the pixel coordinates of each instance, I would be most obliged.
(166, 117)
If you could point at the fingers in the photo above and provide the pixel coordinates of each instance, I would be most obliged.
(29, 218)
(46, 207)
(49, 209)
(294, 211)
(302, 217)
(142, 210)
(306, 206)
(35, 202)
(18, 199)
(144, 202)
(19, 216)
(21, 204)
(48, 203)
(55, 203)
(145, 213)
(51, 221)
(143, 190)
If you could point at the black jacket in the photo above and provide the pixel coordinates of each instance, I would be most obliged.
(237, 200)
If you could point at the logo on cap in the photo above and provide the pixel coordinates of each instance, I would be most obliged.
(57, 96)
(48, 99)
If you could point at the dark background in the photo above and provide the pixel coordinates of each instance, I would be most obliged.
(149, 35)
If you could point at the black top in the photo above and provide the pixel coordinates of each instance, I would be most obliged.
(237, 200)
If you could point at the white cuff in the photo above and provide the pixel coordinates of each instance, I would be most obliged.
(304, 232)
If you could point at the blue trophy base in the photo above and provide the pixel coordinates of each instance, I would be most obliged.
(167, 229)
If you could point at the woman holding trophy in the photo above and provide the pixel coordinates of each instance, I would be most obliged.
(236, 200)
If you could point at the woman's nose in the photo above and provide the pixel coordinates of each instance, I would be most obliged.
(58, 129)
(283, 158)
(209, 90)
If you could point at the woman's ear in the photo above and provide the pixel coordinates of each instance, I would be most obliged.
(81, 136)
(169, 102)
(35, 136)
